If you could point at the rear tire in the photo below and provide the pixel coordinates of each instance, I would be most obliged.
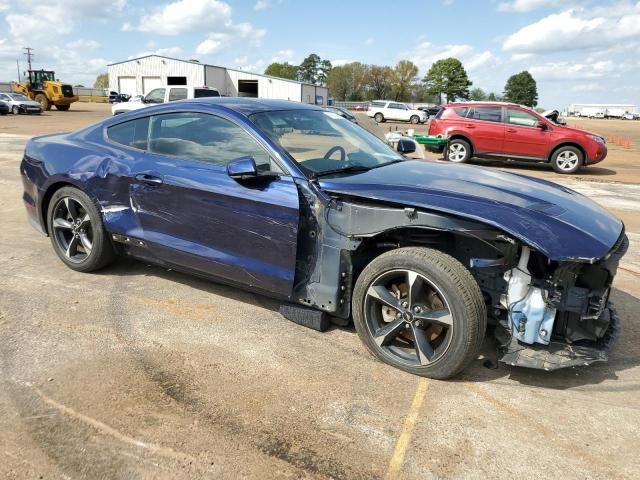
(378, 117)
(458, 151)
(442, 306)
(567, 160)
(63, 108)
(76, 231)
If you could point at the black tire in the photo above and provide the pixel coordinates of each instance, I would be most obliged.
(458, 151)
(101, 252)
(462, 299)
(567, 160)
(42, 99)
(378, 117)
(415, 119)
(63, 108)
(15, 110)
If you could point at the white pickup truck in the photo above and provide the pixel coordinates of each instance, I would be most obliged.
(163, 95)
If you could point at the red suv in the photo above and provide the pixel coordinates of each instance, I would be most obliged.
(509, 131)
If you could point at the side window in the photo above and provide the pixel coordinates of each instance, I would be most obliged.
(155, 96)
(461, 111)
(205, 138)
(488, 114)
(133, 133)
(177, 94)
(3, 97)
(520, 117)
(378, 104)
(397, 106)
(205, 93)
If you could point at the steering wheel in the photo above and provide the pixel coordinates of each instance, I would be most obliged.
(332, 150)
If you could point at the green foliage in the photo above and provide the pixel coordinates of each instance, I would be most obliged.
(102, 81)
(379, 81)
(348, 82)
(448, 77)
(477, 95)
(282, 70)
(521, 88)
(404, 75)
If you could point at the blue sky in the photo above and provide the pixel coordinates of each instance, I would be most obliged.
(578, 51)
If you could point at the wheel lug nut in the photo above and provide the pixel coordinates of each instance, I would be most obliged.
(398, 315)
(417, 310)
(405, 304)
(407, 326)
(418, 323)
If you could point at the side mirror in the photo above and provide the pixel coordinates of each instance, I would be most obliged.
(542, 125)
(242, 168)
(406, 146)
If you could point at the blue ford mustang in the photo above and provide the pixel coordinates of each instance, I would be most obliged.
(298, 203)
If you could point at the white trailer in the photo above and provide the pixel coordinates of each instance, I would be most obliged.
(593, 112)
(615, 112)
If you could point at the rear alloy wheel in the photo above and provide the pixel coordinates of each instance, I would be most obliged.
(415, 119)
(458, 151)
(420, 310)
(76, 231)
(378, 117)
(567, 160)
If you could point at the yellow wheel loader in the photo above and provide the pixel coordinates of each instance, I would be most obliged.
(43, 87)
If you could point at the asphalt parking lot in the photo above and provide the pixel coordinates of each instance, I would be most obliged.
(140, 372)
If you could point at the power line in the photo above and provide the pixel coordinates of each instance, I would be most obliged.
(28, 53)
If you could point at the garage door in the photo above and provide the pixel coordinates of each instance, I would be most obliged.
(127, 85)
(149, 83)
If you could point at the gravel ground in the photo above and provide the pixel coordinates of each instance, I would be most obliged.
(140, 372)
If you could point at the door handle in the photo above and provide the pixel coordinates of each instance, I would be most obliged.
(148, 179)
(470, 125)
(511, 130)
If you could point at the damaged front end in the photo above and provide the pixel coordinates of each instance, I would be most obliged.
(554, 315)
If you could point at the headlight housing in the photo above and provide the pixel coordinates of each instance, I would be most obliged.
(598, 139)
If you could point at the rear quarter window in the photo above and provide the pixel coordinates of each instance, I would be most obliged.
(488, 114)
(133, 133)
(379, 104)
(177, 94)
(460, 112)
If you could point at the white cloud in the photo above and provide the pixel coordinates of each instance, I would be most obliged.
(209, 46)
(526, 5)
(282, 56)
(369, 41)
(571, 71)
(577, 30)
(262, 5)
(426, 53)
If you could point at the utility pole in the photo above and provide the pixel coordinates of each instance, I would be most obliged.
(28, 53)
(18, 64)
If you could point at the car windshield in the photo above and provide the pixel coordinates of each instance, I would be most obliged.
(323, 142)
(17, 96)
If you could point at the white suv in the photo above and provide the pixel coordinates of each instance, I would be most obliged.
(383, 110)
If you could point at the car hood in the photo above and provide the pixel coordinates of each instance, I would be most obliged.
(555, 220)
(127, 107)
(27, 103)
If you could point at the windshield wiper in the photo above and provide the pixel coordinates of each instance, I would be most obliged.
(349, 169)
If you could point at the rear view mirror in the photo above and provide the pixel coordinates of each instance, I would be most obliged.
(542, 125)
(406, 146)
(242, 168)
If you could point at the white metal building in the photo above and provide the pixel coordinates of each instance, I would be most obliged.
(141, 75)
(577, 108)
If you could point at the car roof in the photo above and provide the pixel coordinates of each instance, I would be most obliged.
(482, 103)
(249, 106)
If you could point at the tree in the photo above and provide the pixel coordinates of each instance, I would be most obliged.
(404, 74)
(348, 82)
(282, 70)
(309, 68)
(102, 81)
(477, 95)
(379, 81)
(448, 77)
(522, 89)
(324, 68)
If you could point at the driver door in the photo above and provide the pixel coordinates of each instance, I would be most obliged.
(195, 216)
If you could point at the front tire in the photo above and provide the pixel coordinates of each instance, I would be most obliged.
(567, 160)
(42, 99)
(421, 311)
(414, 119)
(76, 231)
(378, 117)
(459, 151)
(15, 110)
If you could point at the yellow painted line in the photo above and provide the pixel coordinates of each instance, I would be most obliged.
(395, 465)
